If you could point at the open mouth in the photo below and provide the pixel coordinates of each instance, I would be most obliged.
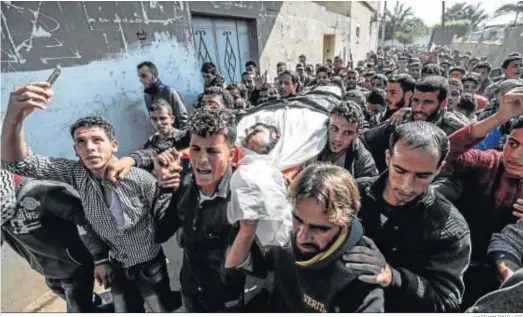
(203, 173)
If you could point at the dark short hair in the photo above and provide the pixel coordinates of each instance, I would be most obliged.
(457, 69)
(226, 95)
(471, 77)
(94, 122)
(434, 84)
(329, 60)
(353, 72)
(251, 63)
(159, 103)
(244, 93)
(281, 64)
(406, 81)
(515, 123)
(369, 74)
(302, 56)
(377, 97)
(384, 80)
(208, 122)
(323, 69)
(295, 77)
(483, 64)
(467, 103)
(421, 134)
(208, 67)
(358, 96)
(510, 59)
(455, 82)
(151, 66)
(414, 64)
(431, 69)
(350, 111)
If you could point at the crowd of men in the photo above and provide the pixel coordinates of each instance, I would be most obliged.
(414, 204)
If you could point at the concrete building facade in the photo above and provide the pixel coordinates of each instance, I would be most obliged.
(99, 44)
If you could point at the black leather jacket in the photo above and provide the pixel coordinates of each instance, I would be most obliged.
(426, 243)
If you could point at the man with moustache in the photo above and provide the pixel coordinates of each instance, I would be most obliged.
(399, 92)
(491, 196)
(121, 213)
(423, 242)
(343, 147)
(155, 88)
(428, 103)
(351, 80)
(309, 273)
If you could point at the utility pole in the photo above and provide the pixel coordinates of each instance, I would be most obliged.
(383, 23)
(442, 22)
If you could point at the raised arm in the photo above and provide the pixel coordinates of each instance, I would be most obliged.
(16, 155)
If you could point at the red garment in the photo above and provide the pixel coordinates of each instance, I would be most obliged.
(485, 164)
(481, 101)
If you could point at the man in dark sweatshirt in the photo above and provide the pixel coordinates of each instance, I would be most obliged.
(309, 272)
(154, 89)
(343, 147)
(43, 230)
(423, 241)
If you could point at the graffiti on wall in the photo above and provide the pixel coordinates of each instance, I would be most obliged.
(38, 35)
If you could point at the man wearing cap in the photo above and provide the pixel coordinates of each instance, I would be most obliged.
(415, 70)
(445, 66)
(457, 72)
(499, 90)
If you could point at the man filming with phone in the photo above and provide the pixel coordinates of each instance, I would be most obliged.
(120, 213)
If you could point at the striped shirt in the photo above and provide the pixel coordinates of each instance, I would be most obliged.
(130, 246)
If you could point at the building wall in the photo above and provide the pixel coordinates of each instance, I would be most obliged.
(496, 54)
(99, 44)
(361, 16)
(98, 47)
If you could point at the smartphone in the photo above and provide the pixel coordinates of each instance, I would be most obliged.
(54, 75)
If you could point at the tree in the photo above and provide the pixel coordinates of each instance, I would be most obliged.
(508, 8)
(394, 20)
(464, 11)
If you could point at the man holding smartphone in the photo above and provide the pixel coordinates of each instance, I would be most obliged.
(121, 214)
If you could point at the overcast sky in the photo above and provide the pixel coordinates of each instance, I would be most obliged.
(430, 11)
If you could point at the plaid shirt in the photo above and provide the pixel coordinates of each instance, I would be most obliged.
(130, 246)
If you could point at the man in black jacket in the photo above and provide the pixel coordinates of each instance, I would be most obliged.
(428, 103)
(424, 242)
(43, 230)
(343, 147)
(199, 206)
(154, 89)
(309, 272)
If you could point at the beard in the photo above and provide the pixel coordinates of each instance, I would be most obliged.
(393, 107)
(432, 117)
(315, 249)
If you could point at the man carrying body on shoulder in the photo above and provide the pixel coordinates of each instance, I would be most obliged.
(423, 242)
(343, 147)
(199, 206)
(121, 214)
(154, 89)
(309, 272)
